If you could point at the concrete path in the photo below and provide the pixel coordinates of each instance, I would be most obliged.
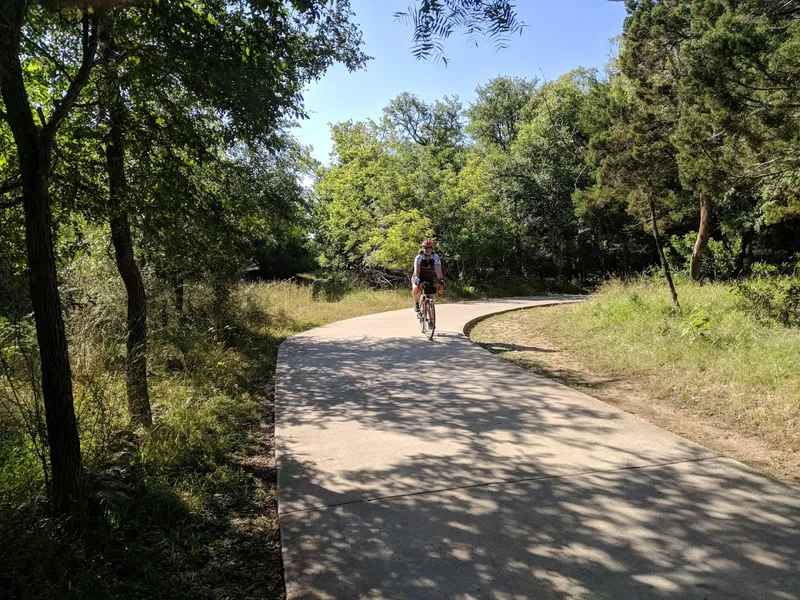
(410, 468)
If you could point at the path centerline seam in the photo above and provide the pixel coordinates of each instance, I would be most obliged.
(501, 483)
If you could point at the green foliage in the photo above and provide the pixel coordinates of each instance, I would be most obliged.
(178, 510)
(719, 259)
(533, 182)
(496, 116)
(330, 289)
(504, 203)
(436, 20)
(396, 243)
(695, 325)
(438, 125)
(770, 296)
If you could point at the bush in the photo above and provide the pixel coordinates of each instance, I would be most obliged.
(719, 260)
(770, 296)
(331, 289)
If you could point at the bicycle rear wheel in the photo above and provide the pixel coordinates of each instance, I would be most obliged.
(423, 310)
(430, 319)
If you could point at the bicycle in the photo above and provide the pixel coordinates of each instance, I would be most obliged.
(427, 308)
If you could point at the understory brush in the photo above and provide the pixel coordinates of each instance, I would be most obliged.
(186, 509)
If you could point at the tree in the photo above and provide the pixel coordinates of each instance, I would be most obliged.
(633, 159)
(35, 149)
(112, 106)
(548, 160)
(358, 189)
(477, 229)
(738, 133)
(652, 58)
(438, 125)
(436, 20)
(497, 114)
(325, 36)
(249, 72)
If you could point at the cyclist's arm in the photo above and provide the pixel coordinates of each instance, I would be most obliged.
(415, 276)
(437, 264)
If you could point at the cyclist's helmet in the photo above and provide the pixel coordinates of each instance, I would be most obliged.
(427, 244)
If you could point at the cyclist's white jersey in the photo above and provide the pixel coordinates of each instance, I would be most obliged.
(426, 266)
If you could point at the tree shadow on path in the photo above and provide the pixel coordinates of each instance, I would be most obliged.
(410, 469)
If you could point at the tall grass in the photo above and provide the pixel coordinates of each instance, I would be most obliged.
(290, 308)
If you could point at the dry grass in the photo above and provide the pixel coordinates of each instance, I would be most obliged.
(711, 373)
(290, 308)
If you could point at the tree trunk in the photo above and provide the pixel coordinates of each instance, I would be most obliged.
(664, 264)
(703, 234)
(136, 368)
(136, 372)
(747, 239)
(67, 489)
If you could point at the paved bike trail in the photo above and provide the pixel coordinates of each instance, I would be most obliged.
(410, 468)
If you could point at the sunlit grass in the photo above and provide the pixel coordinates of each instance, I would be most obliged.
(290, 308)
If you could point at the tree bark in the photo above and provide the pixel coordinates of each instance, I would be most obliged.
(703, 234)
(34, 151)
(747, 238)
(136, 367)
(664, 263)
(136, 371)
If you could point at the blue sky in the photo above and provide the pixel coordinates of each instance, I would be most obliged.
(560, 35)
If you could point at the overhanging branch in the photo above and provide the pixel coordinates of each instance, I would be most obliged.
(44, 52)
(90, 31)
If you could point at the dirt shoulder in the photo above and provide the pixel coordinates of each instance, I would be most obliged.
(530, 348)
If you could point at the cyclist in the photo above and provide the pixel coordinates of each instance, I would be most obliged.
(427, 268)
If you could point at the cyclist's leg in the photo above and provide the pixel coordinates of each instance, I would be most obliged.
(416, 293)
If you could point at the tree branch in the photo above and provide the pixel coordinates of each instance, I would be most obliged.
(42, 118)
(43, 51)
(90, 31)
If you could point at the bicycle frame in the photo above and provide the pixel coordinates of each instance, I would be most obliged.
(427, 314)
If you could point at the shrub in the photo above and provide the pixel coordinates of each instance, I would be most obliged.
(719, 260)
(770, 296)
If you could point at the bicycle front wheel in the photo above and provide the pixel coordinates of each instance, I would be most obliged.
(430, 319)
